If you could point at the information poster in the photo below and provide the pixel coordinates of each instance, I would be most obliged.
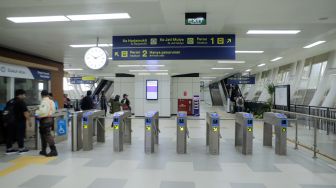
(151, 89)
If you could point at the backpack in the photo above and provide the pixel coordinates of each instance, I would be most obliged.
(240, 101)
(8, 113)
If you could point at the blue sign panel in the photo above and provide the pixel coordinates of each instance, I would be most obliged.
(174, 47)
(79, 80)
(61, 127)
(40, 74)
(242, 80)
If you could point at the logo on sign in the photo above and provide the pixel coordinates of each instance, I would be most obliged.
(3, 69)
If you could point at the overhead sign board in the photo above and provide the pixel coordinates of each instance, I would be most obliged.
(195, 18)
(16, 71)
(82, 80)
(241, 80)
(174, 47)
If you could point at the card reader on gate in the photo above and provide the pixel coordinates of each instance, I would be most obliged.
(214, 121)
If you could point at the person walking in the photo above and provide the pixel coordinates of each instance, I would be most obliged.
(103, 102)
(126, 103)
(16, 117)
(87, 102)
(44, 113)
(115, 104)
(240, 103)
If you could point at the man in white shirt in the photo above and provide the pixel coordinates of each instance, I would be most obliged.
(44, 113)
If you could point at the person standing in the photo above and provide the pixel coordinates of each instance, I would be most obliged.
(115, 105)
(52, 98)
(44, 113)
(87, 102)
(16, 118)
(240, 103)
(125, 103)
(103, 102)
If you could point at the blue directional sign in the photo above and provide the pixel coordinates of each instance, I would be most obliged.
(174, 47)
(241, 80)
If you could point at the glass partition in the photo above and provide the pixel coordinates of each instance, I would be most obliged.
(33, 89)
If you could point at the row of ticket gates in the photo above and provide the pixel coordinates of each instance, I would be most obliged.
(88, 126)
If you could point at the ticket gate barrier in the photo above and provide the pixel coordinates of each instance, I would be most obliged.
(182, 132)
(214, 133)
(76, 130)
(122, 130)
(280, 123)
(244, 132)
(93, 119)
(208, 123)
(61, 120)
(151, 131)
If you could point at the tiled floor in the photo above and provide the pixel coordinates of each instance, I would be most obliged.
(132, 168)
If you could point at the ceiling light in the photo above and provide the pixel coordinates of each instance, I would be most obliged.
(276, 59)
(141, 65)
(221, 68)
(249, 52)
(109, 77)
(261, 65)
(231, 62)
(144, 74)
(273, 32)
(162, 73)
(248, 70)
(89, 45)
(208, 77)
(99, 16)
(206, 80)
(148, 70)
(73, 69)
(110, 58)
(37, 19)
(315, 44)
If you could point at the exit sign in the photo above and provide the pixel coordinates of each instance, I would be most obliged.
(195, 18)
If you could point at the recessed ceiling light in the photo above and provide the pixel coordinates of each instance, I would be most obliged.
(89, 45)
(141, 65)
(98, 16)
(148, 70)
(248, 52)
(208, 77)
(315, 44)
(273, 32)
(109, 77)
(276, 59)
(221, 68)
(144, 74)
(206, 80)
(73, 69)
(161, 73)
(37, 19)
(248, 70)
(261, 65)
(234, 62)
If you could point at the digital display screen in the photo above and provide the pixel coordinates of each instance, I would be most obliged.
(151, 89)
(250, 121)
(181, 121)
(215, 121)
(283, 122)
(148, 121)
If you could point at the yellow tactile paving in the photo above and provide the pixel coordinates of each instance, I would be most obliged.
(24, 161)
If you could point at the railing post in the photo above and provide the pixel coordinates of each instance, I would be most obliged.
(328, 122)
(296, 133)
(315, 141)
(309, 118)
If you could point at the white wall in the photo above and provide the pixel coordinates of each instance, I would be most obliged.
(190, 85)
(163, 104)
(125, 85)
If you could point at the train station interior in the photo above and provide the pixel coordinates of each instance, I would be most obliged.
(168, 94)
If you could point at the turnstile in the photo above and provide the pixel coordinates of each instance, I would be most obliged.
(182, 133)
(151, 131)
(244, 132)
(214, 133)
(61, 117)
(94, 119)
(208, 122)
(280, 123)
(122, 130)
(76, 130)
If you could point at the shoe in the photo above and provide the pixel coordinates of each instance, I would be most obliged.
(53, 153)
(11, 151)
(23, 150)
(43, 152)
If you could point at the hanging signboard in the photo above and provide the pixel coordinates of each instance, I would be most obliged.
(241, 80)
(16, 71)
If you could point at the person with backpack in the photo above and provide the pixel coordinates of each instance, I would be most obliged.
(125, 103)
(103, 102)
(16, 116)
(44, 114)
(240, 103)
(87, 102)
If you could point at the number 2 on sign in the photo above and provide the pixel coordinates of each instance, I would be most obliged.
(144, 53)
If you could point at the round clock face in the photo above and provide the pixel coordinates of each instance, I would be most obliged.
(95, 58)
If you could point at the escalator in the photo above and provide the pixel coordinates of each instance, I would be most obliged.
(104, 85)
(215, 95)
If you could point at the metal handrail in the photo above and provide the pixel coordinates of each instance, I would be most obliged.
(306, 115)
